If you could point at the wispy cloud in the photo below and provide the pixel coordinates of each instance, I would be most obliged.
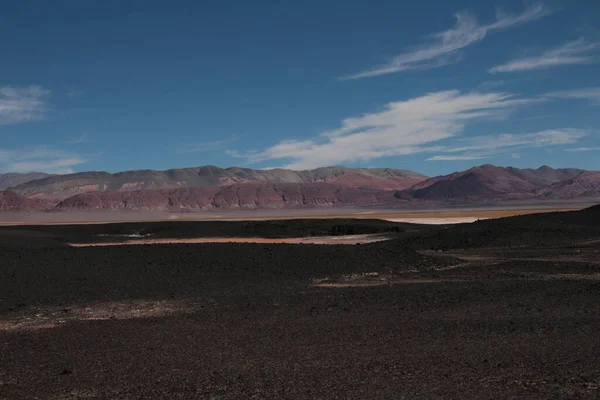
(570, 53)
(62, 166)
(39, 159)
(22, 104)
(514, 81)
(457, 158)
(445, 47)
(209, 145)
(74, 93)
(550, 137)
(417, 125)
(83, 138)
(488, 146)
(584, 149)
(592, 93)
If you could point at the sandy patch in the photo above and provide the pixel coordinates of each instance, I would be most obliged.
(51, 317)
(329, 240)
(335, 285)
(367, 279)
(579, 277)
(349, 285)
(437, 221)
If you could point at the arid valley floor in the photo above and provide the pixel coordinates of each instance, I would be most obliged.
(499, 308)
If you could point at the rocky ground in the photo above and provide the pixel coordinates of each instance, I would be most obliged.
(495, 309)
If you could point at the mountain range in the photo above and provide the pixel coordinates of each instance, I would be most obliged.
(14, 179)
(210, 187)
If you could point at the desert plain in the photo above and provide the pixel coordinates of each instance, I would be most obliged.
(498, 308)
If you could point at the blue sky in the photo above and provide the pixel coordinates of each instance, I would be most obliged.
(432, 86)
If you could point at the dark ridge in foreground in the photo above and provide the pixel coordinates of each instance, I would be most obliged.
(533, 229)
(115, 232)
(544, 229)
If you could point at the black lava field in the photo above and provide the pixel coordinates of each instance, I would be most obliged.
(506, 308)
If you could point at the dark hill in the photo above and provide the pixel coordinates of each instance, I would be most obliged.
(544, 229)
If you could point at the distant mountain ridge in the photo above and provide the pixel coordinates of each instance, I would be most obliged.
(60, 187)
(13, 179)
(584, 185)
(232, 197)
(205, 188)
(10, 201)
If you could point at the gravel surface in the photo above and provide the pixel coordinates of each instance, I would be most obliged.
(227, 321)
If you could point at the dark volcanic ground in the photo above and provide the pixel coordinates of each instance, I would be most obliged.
(496, 309)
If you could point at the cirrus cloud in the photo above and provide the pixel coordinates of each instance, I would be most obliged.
(570, 53)
(579, 149)
(207, 145)
(417, 125)
(22, 104)
(591, 93)
(39, 159)
(480, 147)
(549, 137)
(457, 158)
(445, 47)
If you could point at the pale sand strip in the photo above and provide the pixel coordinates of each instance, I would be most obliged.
(348, 239)
(437, 221)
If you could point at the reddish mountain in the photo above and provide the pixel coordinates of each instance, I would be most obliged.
(545, 175)
(10, 201)
(489, 182)
(60, 187)
(585, 185)
(244, 196)
(197, 189)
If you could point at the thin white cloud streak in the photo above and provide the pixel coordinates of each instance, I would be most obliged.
(446, 46)
(74, 94)
(570, 53)
(489, 146)
(39, 159)
(457, 158)
(592, 94)
(550, 137)
(417, 125)
(22, 104)
(50, 166)
(83, 138)
(209, 145)
(578, 149)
